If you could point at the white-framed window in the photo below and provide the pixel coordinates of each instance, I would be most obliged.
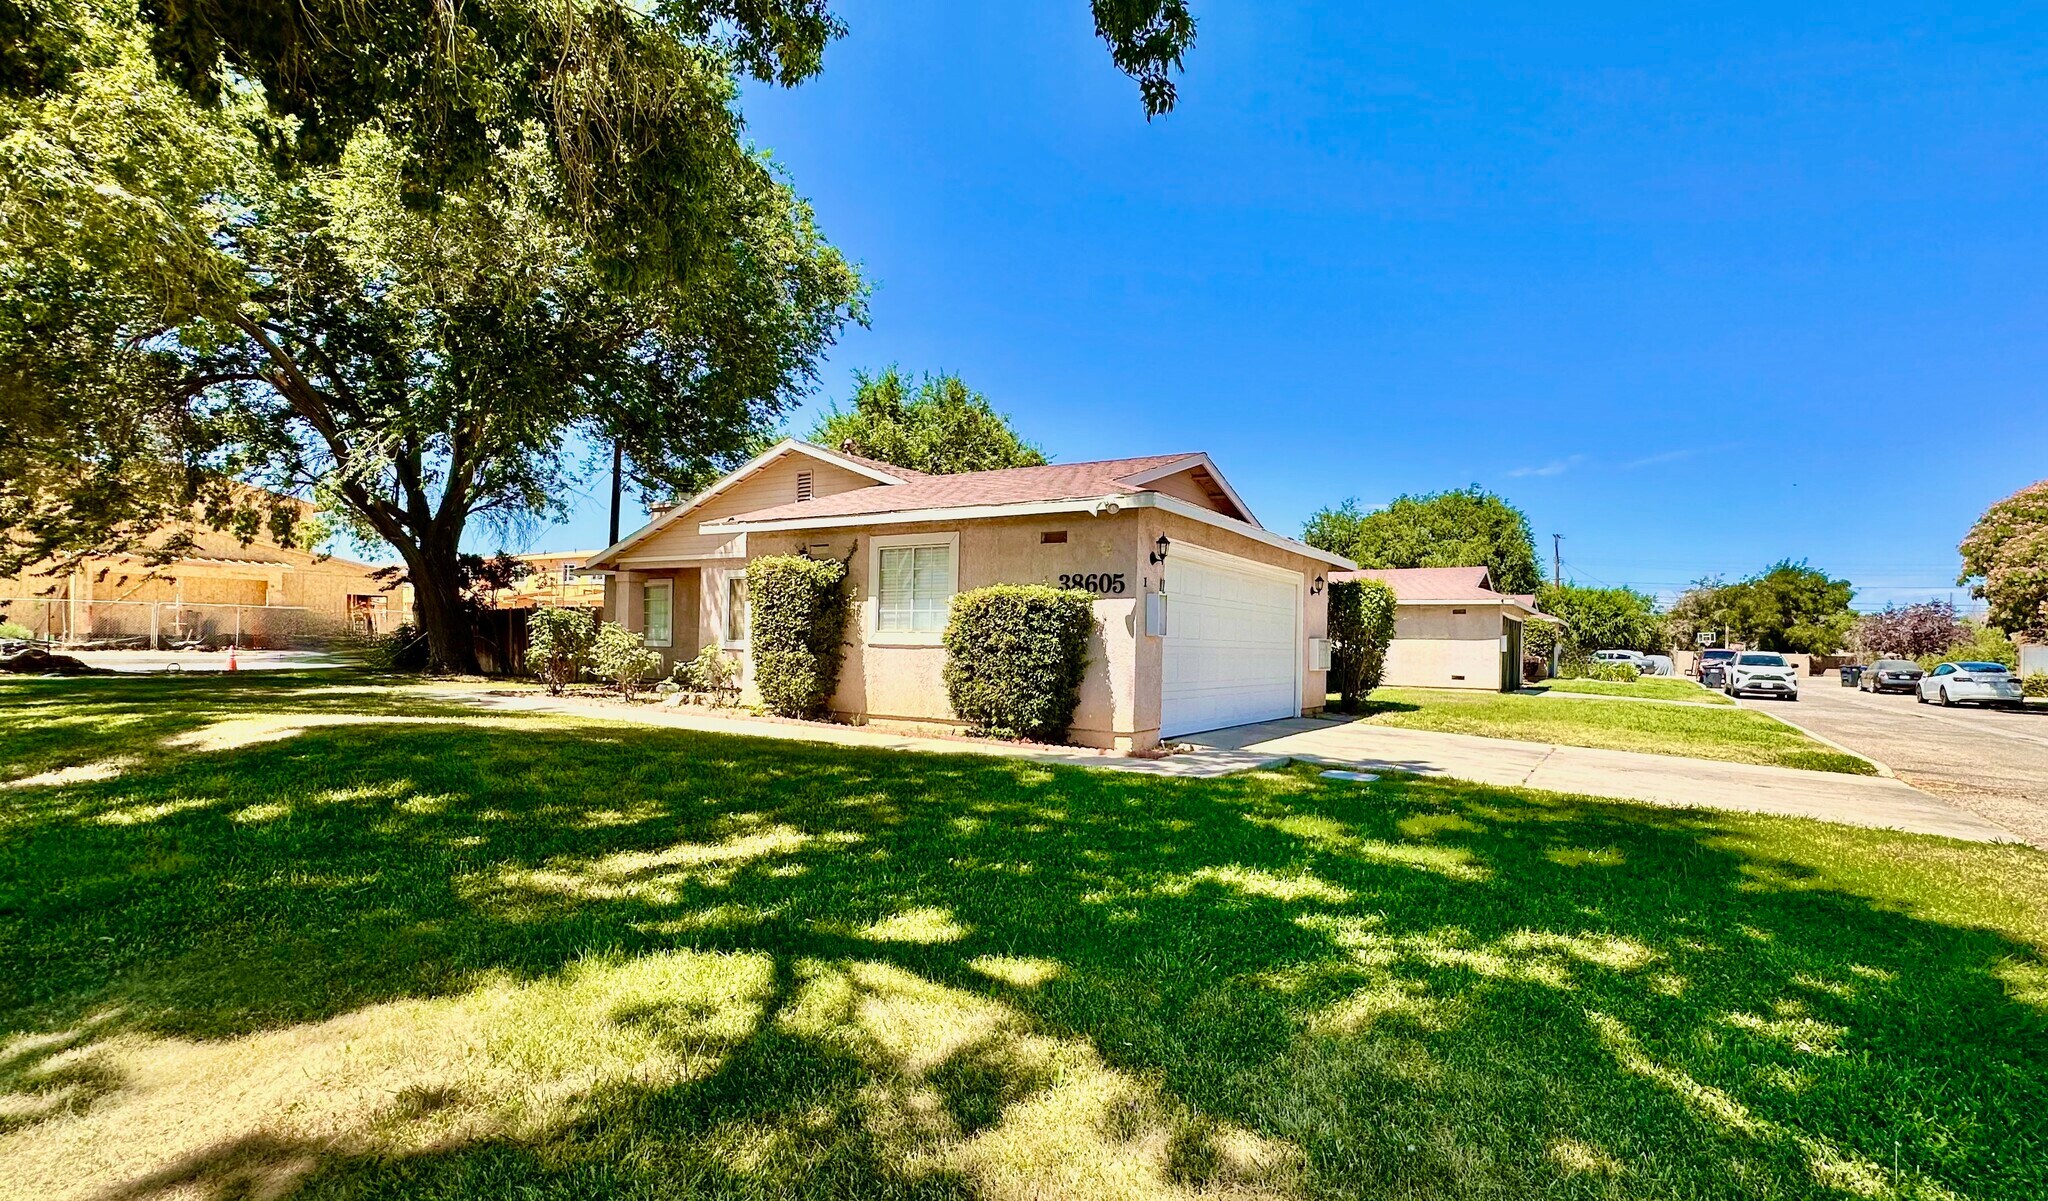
(914, 577)
(569, 572)
(658, 601)
(736, 615)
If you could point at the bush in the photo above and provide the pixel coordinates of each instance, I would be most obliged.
(621, 656)
(798, 631)
(1980, 644)
(712, 673)
(2035, 684)
(1015, 655)
(1595, 669)
(1361, 626)
(558, 645)
(15, 632)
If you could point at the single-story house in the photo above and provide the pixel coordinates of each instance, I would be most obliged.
(1452, 630)
(1205, 618)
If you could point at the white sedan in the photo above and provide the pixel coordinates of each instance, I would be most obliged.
(1971, 683)
(1762, 672)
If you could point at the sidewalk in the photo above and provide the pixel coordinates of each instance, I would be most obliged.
(1623, 775)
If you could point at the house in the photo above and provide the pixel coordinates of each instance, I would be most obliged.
(1452, 630)
(555, 580)
(1238, 636)
(220, 591)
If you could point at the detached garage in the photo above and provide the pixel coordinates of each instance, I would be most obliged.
(1452, 630)
(1204, 618)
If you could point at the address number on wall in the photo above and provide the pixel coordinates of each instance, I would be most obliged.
(1110, 582)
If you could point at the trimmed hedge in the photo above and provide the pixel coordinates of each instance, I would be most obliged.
(798, 630)
(1015, 655)
(1361, 626)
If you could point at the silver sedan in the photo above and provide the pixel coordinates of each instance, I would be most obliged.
(1970, 683)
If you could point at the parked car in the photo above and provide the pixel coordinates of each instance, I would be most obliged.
(1655, 665)
(1630, 658)
(1970, 683)
(1890, 675)
(1765, 672)
(1713, 658)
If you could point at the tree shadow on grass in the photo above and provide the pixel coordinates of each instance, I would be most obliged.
(723, 966)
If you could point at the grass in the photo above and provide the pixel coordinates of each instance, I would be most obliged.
(1656, 688)
(270, 938)
(1700, 731)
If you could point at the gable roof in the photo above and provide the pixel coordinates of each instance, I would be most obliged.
(874, 469)
(1432, 583)
(970, 489)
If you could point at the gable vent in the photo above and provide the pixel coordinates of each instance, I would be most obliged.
(803, 485)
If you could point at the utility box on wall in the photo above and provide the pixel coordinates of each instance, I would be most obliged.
(1319, 654)
(1155, 614)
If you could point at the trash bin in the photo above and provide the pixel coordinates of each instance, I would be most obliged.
(1852, 675)
(1713, 675)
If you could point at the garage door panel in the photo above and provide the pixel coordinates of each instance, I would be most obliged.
(1232, 650)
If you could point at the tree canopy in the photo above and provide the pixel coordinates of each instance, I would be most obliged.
(1788, 607)
(1910, 631)
(1605, 618)
(1464, 527)
(937, 424)
(175, 301)
(2005, 560)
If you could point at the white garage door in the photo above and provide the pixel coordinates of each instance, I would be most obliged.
(1231, 646)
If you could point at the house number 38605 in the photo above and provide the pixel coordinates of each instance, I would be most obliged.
(1107, 581)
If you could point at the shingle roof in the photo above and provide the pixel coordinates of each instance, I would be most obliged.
(1433, 583)
(1011, 485)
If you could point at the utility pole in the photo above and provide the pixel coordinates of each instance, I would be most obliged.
(1556, 552)
(618, 463)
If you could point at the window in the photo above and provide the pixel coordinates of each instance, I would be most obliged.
(735, 610)
(803, 485)
(569, 572)
(658, 599)
(915, 576)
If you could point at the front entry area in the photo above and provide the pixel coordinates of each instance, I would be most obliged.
(1233, 643)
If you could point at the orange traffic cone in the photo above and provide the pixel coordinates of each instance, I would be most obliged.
(231, 659)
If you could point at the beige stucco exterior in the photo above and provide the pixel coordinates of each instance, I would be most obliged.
(1447, 646)
(899, 679)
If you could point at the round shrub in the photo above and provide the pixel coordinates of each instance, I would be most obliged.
(1015, 655)
(621, 656)
(558, 645)
(1361, 626)
(798, 631)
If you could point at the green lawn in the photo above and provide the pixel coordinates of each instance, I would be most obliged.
(270, 938)
(1700, 731)
(1656, 688)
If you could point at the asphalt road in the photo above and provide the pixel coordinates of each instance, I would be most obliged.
(1991, 762)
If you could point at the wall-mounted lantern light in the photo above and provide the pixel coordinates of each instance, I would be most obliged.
(1316, 588)
(1159, 554)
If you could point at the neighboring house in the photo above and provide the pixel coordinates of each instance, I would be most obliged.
(557, 581)
(1243, 619)
(1452, 630)
(222, 591)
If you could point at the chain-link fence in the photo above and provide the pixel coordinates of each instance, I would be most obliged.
(171, 625)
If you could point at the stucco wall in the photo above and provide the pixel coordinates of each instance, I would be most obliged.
(1435, 644)
(774, 484)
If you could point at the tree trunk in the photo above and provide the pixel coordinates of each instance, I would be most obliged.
(437, 605)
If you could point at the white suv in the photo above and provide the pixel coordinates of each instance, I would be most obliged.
(1762, 672)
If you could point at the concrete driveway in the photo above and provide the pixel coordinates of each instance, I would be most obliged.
(1622, 775)
(1992, 762)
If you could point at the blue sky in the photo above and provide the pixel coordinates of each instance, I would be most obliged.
(1699, 288)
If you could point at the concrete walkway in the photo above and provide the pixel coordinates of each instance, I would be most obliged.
(1622, 775)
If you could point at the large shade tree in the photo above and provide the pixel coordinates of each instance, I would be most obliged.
(1465, 527)
(1787, 607)
(419, 368)
(937, 424)
(2005, 561)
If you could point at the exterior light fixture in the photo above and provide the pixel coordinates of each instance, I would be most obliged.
(1316, 588)
(1164, 543)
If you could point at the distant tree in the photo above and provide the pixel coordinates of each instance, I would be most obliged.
(2005, 561)
(1910, 631)
(937, 425)
(1466, 527)
(1700, 609)
(1790, 607)
(1604, 618)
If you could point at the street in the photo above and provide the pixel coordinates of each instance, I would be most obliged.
(1991, 762)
